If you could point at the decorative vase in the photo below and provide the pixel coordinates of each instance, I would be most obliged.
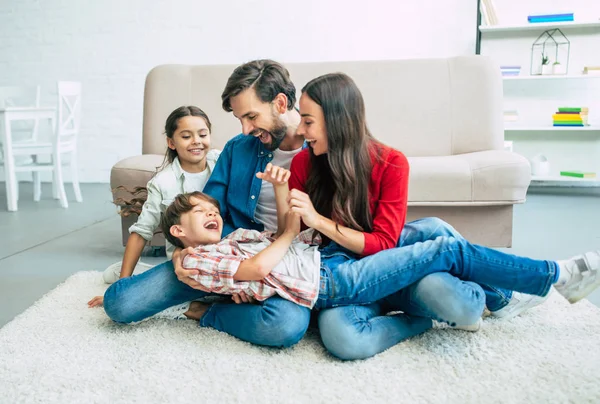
(546, 69)
(558, 69)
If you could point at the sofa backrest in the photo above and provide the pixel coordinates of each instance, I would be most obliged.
(423, 107)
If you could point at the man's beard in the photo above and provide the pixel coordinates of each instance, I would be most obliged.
(277, 132)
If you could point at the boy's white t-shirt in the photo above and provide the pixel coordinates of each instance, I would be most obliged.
(266, 211)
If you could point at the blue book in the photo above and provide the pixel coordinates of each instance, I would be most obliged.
(550, 16)
(557, 19)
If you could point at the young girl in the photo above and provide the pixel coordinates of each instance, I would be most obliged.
(189, 161)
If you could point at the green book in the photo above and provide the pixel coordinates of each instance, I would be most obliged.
(569, 109)
(578, 174)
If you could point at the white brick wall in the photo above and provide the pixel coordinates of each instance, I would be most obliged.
(110, 45)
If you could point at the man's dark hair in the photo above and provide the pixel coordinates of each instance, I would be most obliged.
(268, 78)
(180, 205)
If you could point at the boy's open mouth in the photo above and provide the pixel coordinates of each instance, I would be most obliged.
(212, 225)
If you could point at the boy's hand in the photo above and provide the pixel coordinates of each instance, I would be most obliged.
(292, 223)
(96, 301)
(275, 175)
(184, 274)
(242, 297)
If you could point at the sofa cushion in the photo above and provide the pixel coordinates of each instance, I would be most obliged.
(133, 172)
(481, 178)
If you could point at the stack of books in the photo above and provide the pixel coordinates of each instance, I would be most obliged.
(510, 70)
(569, 116)
(592, 70)
(578, 174)
(550, 18)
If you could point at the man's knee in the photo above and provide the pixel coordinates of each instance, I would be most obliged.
(284, 323)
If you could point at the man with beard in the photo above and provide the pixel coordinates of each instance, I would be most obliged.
(261, 95)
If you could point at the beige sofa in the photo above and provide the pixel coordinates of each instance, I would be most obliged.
(444, 114)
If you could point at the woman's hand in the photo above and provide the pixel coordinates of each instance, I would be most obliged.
(275, 175)
(183, 275)
(299, 202)
(96, 301)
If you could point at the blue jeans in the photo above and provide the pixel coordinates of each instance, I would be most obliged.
(276, 322)
(423, 274)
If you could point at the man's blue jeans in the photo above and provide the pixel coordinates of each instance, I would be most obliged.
(431, 255)
(276, 322)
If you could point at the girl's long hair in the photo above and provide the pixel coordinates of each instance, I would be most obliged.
(134, 204)
(338, 182)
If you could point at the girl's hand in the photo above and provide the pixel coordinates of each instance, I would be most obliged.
(275, 175)
(96, 301)
(300, 203)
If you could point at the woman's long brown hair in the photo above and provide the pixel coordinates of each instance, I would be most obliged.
(338, 182)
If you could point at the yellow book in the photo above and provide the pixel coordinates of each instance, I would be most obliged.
(567, 117)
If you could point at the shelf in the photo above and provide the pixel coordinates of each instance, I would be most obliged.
(560, 181)
(538, 26)
(552, 129)
(548, 77)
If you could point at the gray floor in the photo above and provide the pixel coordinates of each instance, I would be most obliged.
(44, 244)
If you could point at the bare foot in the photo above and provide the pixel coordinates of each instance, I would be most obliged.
(196, 310)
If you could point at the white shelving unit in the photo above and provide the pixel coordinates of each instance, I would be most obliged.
(538, 26)
(557, 77)
(509, 128)
(537, 97)
(560, 181)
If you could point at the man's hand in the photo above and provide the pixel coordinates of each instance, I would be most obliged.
(96, 301)
(299, 202)
(183, 275)
(275, 175)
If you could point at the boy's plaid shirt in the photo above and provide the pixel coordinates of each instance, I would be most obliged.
(219, 262)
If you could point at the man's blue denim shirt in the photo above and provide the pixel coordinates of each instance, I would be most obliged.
(234, 184)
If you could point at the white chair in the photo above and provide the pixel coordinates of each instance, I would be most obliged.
(64, 142)
(15, 96)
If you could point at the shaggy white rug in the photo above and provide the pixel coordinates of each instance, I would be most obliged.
(59, 351)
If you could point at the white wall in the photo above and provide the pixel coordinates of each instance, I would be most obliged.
(110, 45)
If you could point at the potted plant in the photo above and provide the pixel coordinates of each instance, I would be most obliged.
(557, 68)
(546, 67)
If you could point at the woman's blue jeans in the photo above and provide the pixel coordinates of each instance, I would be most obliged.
(422, 278)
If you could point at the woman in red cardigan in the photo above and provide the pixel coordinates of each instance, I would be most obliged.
(353, 190)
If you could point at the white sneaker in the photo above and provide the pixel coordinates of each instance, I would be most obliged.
(519, 303)
(113, 272)
(472, 328)
(584, 276)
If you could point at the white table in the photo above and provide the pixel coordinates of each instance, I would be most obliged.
(8, 114)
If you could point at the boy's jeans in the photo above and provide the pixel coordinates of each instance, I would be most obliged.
(413, 278)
